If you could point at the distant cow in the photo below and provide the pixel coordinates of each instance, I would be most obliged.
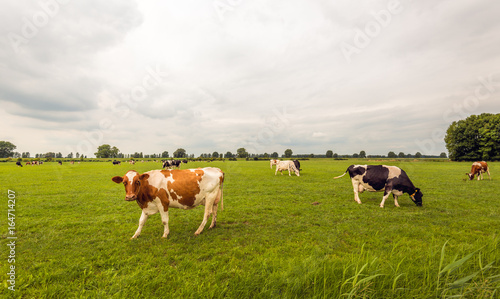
(273, 162)
(19, 164)
(171, 164)
(478, 168)
(287, 165)
(158, 190)
(117, 163)
(390, 179)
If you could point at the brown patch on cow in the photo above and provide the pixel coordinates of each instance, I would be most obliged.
(162, 194)
(186, 185)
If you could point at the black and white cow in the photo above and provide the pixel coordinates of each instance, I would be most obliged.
(117, 163)
(390, 179)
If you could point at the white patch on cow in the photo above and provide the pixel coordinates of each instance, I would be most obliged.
(130, 175)
(394, 171)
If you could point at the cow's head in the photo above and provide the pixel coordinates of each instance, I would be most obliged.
(132, 181)
(417, 197)
(470, 175)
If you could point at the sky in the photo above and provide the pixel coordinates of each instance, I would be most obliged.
(217, 75)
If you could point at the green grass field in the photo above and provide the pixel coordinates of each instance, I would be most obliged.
(278, 236)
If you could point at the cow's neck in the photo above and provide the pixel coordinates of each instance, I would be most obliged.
(143, 197)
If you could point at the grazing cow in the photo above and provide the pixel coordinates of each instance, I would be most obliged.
(158, 190)
(273, 162)
(60, 162)
(390, 179)
(19, 164)
(170, 164)
(297, 164)
(117, 163)
(478, 168)
(286, 165)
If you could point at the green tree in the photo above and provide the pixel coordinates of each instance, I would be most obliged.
(401, 155)
(180, 153)
(164, 154)
(329, 153)
(392, 155)
(362, 154)
(288, 153)
(215, 155)
(443, 155)
(242, 153)
(418, 155)
(228, 155)
(275, 155)
(475, 138)
(6, 149)
(106, 151)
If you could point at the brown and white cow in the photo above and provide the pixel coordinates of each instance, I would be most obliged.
(478, 168)
(286, 165)
(390, 179)
(158, 190)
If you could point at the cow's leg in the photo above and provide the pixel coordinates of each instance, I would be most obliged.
(289, 171)
(209, 203)
(395, 200)
(164, 220)
(214, 209)
(142, 220)
(387, 192)
(355, 186)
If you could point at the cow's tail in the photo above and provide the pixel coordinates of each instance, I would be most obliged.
(222, 193)
(338, 177)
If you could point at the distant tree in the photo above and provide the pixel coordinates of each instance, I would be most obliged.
(401, 155)
(443, 155)
(228, 155)
(215, 155)
(164, 154)
(77, 155)
(266, 155)
(288, 153)
(180, 153)
(335, 156)
(70, 155)
(275, 155)
(474, 138)
(26, 155)
(355, 155)
(49, 155)
(362, 154)
(392, 155)
(418, 155)
(106, 151)
(242, 153)
(329, 153)
(59, 155)
(6, 149)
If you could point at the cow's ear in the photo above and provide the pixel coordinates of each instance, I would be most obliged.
(144, 176)
(117, 179)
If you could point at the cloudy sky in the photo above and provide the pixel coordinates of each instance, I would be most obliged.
(217, 75)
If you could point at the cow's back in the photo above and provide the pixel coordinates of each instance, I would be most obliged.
(188, 188)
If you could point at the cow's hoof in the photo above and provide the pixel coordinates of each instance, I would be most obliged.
(382, 207)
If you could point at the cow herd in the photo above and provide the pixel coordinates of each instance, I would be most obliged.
(158, 190)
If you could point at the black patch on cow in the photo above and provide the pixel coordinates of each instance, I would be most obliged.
(354, 171)
(376, 176)
(297, 164)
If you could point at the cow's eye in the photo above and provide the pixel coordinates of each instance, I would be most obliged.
(137, 183)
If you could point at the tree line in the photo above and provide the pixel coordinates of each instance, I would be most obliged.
(475, 138)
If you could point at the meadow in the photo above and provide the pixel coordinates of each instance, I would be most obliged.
(277, 237)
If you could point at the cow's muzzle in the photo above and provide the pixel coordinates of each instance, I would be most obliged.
(130, 197)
